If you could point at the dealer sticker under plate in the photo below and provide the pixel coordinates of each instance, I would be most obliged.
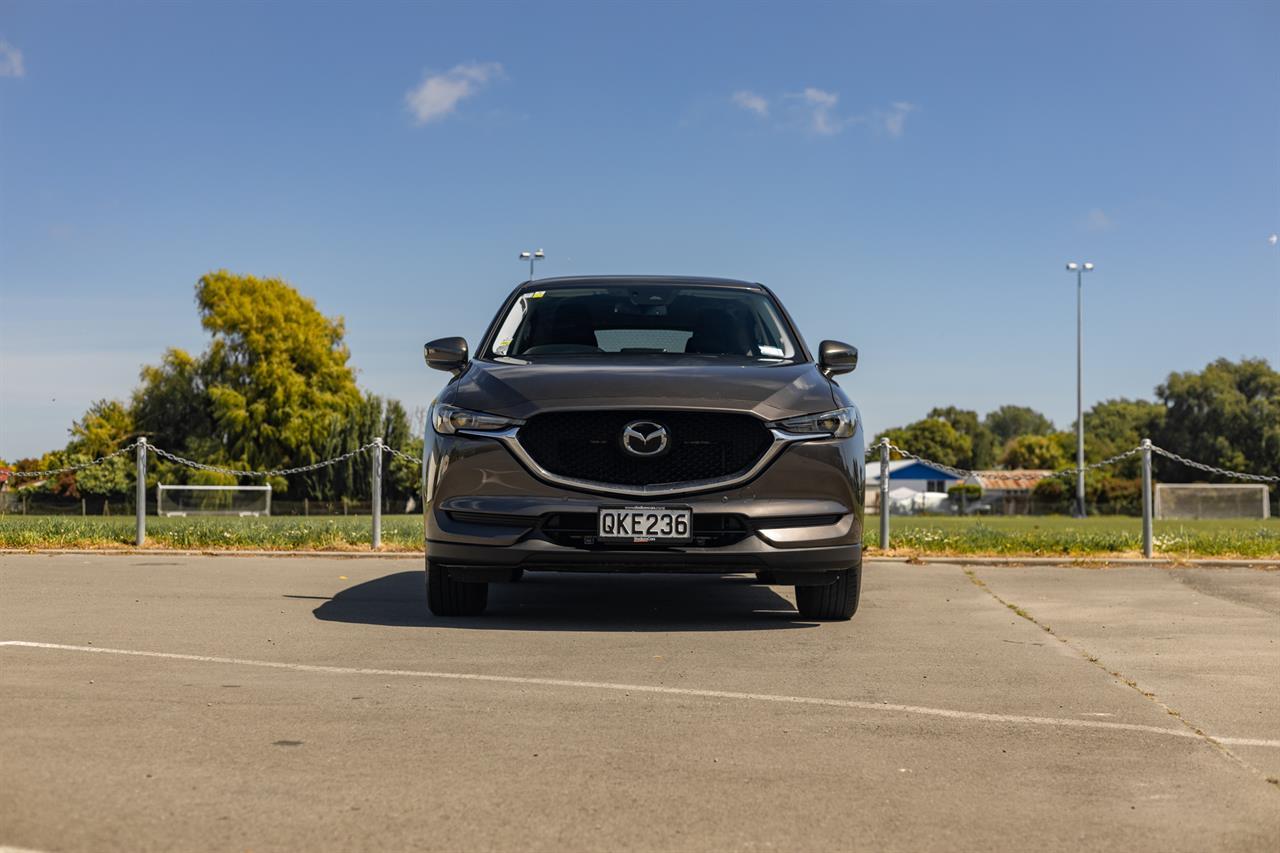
(645, 523)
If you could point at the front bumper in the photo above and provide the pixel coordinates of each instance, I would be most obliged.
(802, 513)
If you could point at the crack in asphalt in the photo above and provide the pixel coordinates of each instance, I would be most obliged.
(1093, 659)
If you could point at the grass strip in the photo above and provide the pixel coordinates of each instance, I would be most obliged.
(1013, 536)
(1061, 536)
(290, 533)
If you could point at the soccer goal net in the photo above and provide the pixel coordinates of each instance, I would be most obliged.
(213, 500)
(1212, 500)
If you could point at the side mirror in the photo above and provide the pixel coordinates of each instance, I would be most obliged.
(835, 358)
(446, 354)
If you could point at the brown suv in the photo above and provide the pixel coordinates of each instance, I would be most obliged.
(643, 424)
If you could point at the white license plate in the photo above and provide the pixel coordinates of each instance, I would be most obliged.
(645, 523)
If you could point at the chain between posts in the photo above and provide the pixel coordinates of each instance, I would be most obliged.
(1146, 448)
(964, 473)
(1223, 472)
(960, 473)
(52, 472)
(408, 457)
(217, 469)
(276, 472)
(884, 448)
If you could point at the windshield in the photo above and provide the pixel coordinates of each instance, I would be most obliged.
(635, 320)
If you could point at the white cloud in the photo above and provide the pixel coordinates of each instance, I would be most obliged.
(439, 94)
(896, 118)
(11, 61)
(817, 111)
(752, 102)
(819, 97)
(1097, 220)
(821, 104)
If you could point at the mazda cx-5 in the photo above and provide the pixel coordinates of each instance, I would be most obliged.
(643, 424)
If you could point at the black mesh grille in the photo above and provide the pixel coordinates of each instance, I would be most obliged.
(588, 446)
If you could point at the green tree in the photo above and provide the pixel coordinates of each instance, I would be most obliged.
(897, 436)
(272, 390)
(172, 407)
(982, 452)
(402, 478)
(931, 438)
(1104, 495)
(103, 429)
(107, 479)
(1034, 451)
(352, 478)
(1054, 495)
(1114, 426)
(276, 371)
(58, 484)
(1067, 442)
(1009, 422)
(1227, 415)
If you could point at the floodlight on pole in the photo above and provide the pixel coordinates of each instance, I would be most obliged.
(1080, 269)
(531, 257)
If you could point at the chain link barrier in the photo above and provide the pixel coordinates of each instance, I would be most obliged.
(873, 450)
(80, 466)
(275, 472)
(1146, 449)
(1222, 472)
(408, 457)
(216, 469)
(964, 473)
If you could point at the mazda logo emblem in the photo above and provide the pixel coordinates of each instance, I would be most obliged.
(645, 438)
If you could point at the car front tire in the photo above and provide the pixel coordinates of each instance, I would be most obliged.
(836, 602)
(449, 597)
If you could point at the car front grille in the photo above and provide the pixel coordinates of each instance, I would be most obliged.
(588, 446)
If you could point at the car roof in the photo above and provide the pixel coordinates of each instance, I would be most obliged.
(647, 280)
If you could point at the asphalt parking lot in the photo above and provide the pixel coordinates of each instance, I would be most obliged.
(233, 703)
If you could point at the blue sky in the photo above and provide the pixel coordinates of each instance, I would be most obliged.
(908, 178)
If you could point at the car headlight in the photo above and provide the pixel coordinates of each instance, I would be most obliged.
(448, 420)
(840, 423)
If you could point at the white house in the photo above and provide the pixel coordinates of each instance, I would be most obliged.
(914, 486)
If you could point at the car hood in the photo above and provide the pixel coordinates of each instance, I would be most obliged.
(520, 390)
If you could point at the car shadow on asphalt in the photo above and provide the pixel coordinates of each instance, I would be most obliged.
(562, 601)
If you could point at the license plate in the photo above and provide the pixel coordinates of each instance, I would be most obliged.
(645, 523)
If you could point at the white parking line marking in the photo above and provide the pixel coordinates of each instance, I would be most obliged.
(976, 716)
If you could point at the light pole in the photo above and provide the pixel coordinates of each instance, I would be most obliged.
(531, 257)
(1080, 269)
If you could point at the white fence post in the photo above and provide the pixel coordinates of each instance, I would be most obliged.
(141, 493)
(884, 493)
(1146, 498)
(377, 493)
